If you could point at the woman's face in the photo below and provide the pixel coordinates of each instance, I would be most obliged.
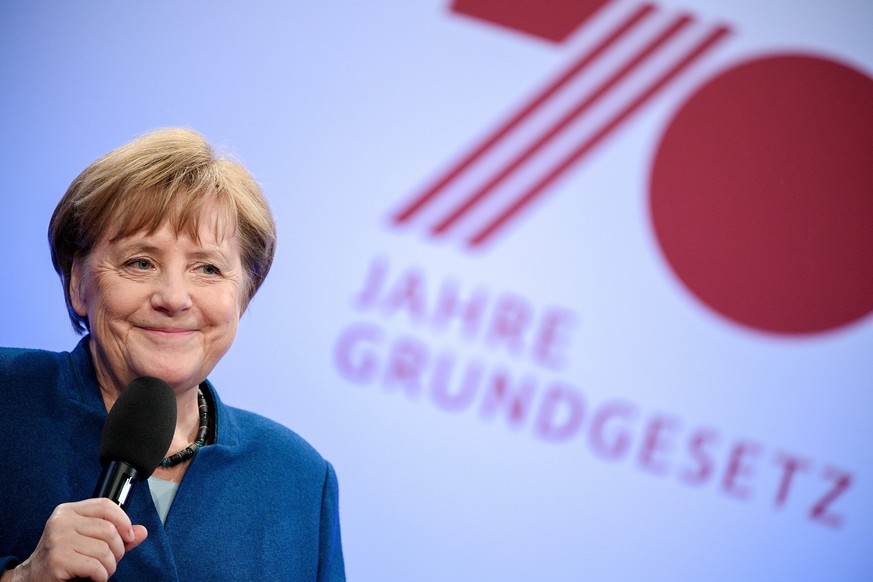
(160, 305)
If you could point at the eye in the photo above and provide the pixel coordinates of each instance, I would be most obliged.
(140, 264)
(209, 269)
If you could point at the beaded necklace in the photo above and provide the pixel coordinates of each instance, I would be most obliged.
(189, 451)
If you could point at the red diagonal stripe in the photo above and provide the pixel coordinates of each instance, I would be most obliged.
(537, 190)
(429, 194)
(477, 197)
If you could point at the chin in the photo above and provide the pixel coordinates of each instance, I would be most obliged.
(177, 378)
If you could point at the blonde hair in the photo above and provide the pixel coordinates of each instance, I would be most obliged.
(165, 175)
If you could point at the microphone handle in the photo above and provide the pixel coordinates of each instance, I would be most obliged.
(117, 482)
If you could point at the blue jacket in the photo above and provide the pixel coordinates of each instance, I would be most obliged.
(257, 504)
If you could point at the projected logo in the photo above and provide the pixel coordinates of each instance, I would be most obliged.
(761, 187)
(761, 201)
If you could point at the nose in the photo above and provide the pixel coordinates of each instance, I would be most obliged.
(171, 293)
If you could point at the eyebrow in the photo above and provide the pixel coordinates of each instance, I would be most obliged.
(127, 246)
(211, 254)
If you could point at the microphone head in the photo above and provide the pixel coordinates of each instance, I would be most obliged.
(140, 425)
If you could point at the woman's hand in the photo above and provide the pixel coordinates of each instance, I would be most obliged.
(84, 539)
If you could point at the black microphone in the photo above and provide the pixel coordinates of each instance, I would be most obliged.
(136, 436)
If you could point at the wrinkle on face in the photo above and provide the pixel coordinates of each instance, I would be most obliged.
(163, 304)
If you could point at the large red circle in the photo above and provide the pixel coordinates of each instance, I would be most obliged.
(762, 194)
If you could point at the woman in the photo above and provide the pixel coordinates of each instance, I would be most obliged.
(160, 246)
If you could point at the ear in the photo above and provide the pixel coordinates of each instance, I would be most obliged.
(77, 288)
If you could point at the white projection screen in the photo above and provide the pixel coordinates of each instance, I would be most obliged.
(565, 289)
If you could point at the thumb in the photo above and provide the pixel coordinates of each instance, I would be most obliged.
(140, 533)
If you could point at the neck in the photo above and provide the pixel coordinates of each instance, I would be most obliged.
(187, 427)
(187, 420)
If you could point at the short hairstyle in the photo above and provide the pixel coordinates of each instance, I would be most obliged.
(165, 175)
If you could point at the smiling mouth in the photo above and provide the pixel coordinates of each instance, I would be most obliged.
(168, 332)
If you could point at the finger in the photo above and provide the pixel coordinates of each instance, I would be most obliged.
(104, 509)
(102, 532)
(91, 568)
(140, 534)
(90, 549)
